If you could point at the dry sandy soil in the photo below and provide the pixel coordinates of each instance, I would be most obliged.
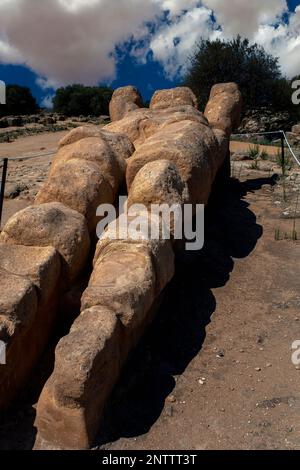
(27, 176)
(215, 370)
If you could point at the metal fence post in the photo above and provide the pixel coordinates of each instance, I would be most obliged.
(4, 172)
(282, 153)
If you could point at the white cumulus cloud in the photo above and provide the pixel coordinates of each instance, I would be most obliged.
(67, 41)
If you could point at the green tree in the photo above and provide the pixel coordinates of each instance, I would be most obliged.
(255, 71)
(19, 100)
(75, 100)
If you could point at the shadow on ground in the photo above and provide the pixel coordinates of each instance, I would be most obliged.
(178, 333)
(176, 336)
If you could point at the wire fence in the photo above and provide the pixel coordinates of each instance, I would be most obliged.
(282, 135)
(4, 166)
(28, 157)
(4, 160)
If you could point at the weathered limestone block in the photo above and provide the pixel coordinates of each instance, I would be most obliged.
(123, 280)
(79, 133)
(96, 150)
(175, 96)
(124, 100)
(87, 365)
(51, 224)
(116, 308)
(158, 182)
(143, 123)
(178, 155)
(224, 107)
(117, 238)
(40, 265)
(132, 125)
(192, 147)
(79, 185)
(28, 309)
(120, 143)
(18, 303)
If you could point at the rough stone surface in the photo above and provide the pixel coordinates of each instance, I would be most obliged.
(40, 265)
(87, 366)
(18, 304)
(141, 124)
(120, 143)
(178, 155)
(192, 147)
(131, 125)
(124, 100)
(158, 182)
(28, 309)
(124, 281)
(51, 224)
(79, 185)
(95, 150)
(117, 238)
(176, 96)
(224, 107)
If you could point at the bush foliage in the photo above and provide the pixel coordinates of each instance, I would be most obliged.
(255, 71)
(19, 100)
(76, 100)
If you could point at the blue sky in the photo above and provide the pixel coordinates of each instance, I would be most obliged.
(141, 42)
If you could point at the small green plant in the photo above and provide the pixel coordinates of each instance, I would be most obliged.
(285, 164)
(285, 236)
(277, 234)
(254, 165)
(253, 152)
(264, 155)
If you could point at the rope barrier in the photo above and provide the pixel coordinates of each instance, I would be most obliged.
(269, 133)
(290, 148)
(29, 157)
(256, 133)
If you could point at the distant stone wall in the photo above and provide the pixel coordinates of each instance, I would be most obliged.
(169, 153)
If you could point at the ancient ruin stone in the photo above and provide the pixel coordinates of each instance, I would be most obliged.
(87, 366)
(18, 304)
(95, 150)
(141, 124)
(118, 238)
(224, 107)
(175, 96)
(51, 224)
(192, 147)
(178, 155)
(124, 281)
(40, 265)
(120, 143)
(131, 124)
(124, 100)
(158, 182)
(28, 309)
(79, 185)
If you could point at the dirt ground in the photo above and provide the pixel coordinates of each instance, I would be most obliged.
(242, 146)
(215, 369)
(26, 176)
